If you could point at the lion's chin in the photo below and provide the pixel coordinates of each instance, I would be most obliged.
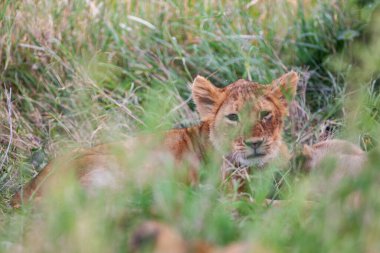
(249, 159)
(253, 161)
(240, 159)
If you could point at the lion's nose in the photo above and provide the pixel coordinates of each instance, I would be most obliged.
(254, 144)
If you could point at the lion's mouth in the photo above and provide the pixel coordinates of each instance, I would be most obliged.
(242, 159)
(255, 155)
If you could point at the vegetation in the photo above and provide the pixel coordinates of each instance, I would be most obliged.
(78, 73)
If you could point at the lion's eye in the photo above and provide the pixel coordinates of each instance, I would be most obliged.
(233, 117)
(265, 115)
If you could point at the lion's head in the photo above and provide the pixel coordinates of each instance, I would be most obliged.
(245, 118)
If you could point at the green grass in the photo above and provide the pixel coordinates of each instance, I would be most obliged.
(86, 72)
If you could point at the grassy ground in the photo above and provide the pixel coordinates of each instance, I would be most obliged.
(84, 72)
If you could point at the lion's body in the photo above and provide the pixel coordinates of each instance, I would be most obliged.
(331, 163)
(347, 158)
(242, 121)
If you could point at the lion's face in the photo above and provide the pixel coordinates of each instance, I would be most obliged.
(245, 118)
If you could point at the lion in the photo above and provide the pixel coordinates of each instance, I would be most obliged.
(348, 158)
(241, 122)
(157, 237)
(331, 162)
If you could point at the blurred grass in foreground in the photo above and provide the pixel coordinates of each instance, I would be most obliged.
(84, 72)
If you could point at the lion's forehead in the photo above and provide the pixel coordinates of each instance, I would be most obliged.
(250, 101)
(243, 90)
(244, 87)
(249, 97)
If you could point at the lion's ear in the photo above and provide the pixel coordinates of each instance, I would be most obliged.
(206, 97)
(285, 87)
(307, 151)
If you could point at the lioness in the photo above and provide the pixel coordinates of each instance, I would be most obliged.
(242, 121)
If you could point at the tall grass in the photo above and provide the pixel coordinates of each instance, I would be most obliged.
(85, 72)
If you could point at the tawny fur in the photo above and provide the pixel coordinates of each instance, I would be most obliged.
(156, 237)
(348, 158)
(186, 148)
(330, 163)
